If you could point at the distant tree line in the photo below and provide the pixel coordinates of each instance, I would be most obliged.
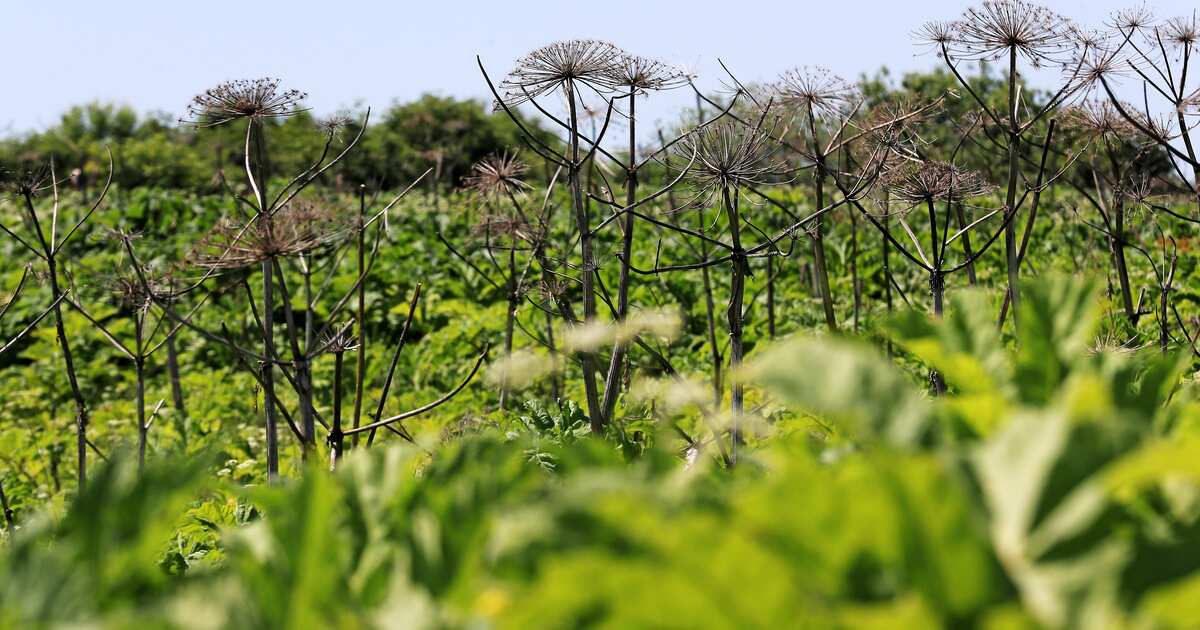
(441, 133)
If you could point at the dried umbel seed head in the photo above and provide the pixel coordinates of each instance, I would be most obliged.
(728, 156)
(341, 340)
(1191, 105)
(334, 125)
(1132, 18)
(129, 292)
(814, 89)
(937, 35)
(1087, 39)
(643, 74)
(1098, 118)
(997, 27)
(1160, 128)
(30, 182)
(573, 63)
(887, 161)
(934, 181)
(892, 124)
(553, 287)
(1181, 31)
(1097, 64)
(298, 228)
(512, 227)
(1141, 190)
(246, 98)
(498, 176)
(750, 100)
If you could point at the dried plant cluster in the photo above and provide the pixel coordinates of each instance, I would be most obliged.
(258, 99)
(566, 65)
(729, 157)
(298, 229)
(916, 184)
(1099, 118)
(499, 176)
(559, 227)
(815, 89)
(995, 28)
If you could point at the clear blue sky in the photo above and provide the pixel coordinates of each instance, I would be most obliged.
(155, 55)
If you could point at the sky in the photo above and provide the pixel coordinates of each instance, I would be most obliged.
(156, 55)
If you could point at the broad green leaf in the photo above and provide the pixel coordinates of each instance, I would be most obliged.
(848, 383)
(964, 346)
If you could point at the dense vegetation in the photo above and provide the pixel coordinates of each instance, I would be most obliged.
(894, 354)
(152, 151)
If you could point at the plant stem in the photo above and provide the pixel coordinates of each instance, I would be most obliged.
(885, 267)
(855, 283)
(81, 411)
(966, 244)
(818, 244)
(176, 388)
(335, 434)
(10, 520)
(360, 316)
(268, 310)
(268, 373)
(587, 357)
(514, 300)
(612, 384)
(139, 367)
(937, 286)
(734, 316)
(1117, 244)
(771, 297)
(1010, 230)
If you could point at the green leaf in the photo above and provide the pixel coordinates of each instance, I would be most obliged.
(846, 382)
(964, 345)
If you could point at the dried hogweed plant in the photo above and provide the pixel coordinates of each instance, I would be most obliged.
(1013, 31)
(44, 241)
(582, 72)
(1156, 54)
(822, 112)
(571, 70)
(257, 99)
(507, 232)
(1111, 156)
(274, 232)
(724, 160)
(636, 76)
(926, 196)
(817, 96)
(131, 298)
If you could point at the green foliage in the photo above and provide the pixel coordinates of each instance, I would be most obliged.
(1074, 502)
(439, 133)
(1055, 485)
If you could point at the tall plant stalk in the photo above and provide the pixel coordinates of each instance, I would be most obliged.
(612, 383)
(360, 315)
(1012, 264)
(816, 236)
(48, 248)
(177, 389)
(587, 358)
(10, 519)
(1011, 30)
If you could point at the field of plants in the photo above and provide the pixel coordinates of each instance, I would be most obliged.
(900, 352)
